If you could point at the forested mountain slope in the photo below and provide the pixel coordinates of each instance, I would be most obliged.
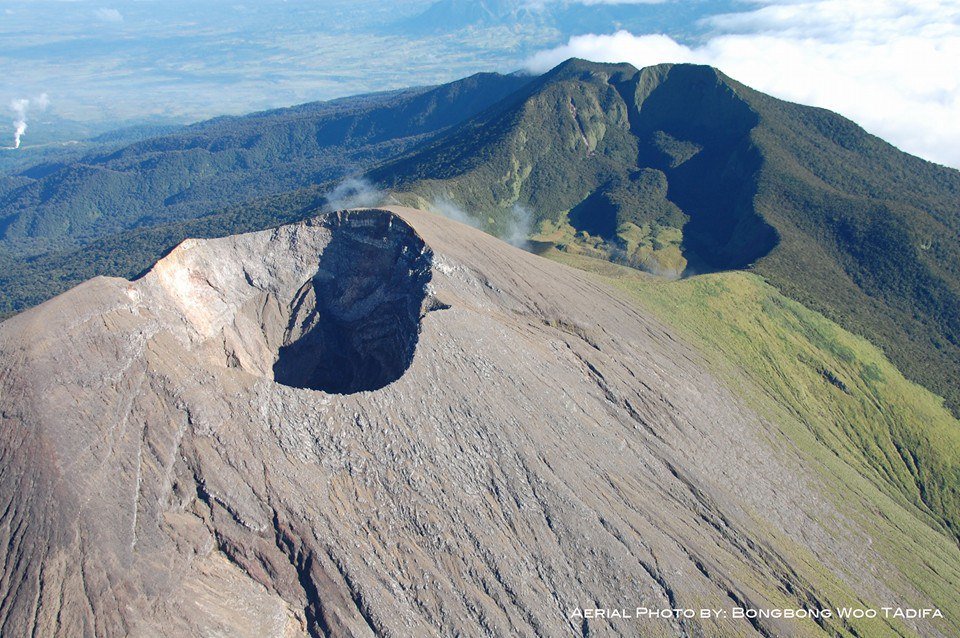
(224, 161)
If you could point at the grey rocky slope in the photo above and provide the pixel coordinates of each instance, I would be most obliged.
(467, 440)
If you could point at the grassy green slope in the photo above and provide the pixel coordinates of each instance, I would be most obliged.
(837, 385)
(890, 444)
(868, 235)
(605, 148)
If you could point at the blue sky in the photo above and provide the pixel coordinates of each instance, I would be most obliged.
(887, 64)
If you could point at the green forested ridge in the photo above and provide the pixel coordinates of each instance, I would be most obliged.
(205, 167)
(605, 146)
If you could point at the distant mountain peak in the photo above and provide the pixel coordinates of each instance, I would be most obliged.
(680, 169)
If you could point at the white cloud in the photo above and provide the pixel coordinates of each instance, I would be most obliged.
(109, 15)
(622, 46)
(889, 65)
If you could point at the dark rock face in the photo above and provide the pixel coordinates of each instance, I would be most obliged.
(354, 326)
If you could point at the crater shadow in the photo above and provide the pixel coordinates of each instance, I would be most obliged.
(354, 327)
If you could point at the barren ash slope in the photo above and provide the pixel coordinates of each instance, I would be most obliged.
(383, 422)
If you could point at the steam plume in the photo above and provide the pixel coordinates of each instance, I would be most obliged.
(21, 107)
(519, 227)
(353, 192)
(515, 230)
(449, 209)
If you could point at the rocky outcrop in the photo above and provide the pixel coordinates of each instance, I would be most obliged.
(383, 422)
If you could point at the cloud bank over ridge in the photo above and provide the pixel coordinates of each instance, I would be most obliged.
(889, 65)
